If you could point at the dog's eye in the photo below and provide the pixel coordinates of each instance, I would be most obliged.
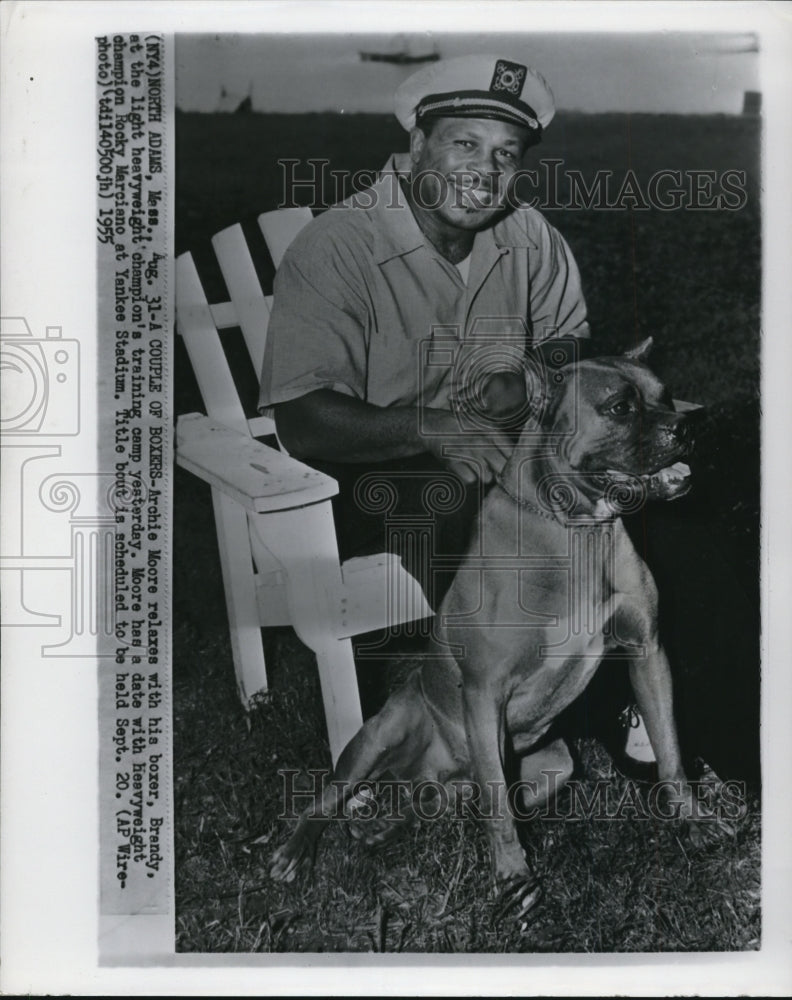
(622, 407)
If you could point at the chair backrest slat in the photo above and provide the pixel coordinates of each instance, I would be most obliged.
(244, 288)
(280, 227)
(249, 309)
(224, 315)
(196, 325)
(262, 426)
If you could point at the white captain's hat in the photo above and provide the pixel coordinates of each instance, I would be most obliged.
(479, 86)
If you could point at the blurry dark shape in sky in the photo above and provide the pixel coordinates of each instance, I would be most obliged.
(683, 73)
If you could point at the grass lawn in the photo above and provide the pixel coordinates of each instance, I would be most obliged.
(610, 885)
(691, 279)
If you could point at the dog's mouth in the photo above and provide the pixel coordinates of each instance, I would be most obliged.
(667, 483)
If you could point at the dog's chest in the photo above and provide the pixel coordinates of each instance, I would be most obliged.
(541, 613)
(547, 684)
(516, 576)
(556, 662)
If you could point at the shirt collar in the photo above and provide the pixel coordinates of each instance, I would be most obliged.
(398, 233)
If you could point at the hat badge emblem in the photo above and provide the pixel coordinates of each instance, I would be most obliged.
(508, 76)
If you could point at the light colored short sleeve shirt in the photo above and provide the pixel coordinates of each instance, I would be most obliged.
(364, 305)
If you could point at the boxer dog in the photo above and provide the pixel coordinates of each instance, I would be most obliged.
(550, 584)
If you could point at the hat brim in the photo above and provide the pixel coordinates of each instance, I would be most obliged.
(475, 104)
(509, 117)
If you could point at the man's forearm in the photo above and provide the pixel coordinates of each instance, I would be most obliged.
(330, 425)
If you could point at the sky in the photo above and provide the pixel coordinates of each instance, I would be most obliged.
(659, 72)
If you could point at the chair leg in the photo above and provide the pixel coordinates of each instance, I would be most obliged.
(340, 694)
(303, 541)
(236, 562)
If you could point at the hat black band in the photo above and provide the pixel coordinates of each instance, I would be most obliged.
(479, 104)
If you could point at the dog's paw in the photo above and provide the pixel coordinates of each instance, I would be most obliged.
(706, 828)
(376, 832)
(375, 820)
(287, 861)
(701, 821)
(516, 899)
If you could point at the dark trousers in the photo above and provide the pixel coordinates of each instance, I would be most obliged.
(423, 513)
(708, 617)
(413, 507)
(709, 627)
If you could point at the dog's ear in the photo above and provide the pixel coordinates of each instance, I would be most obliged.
(641, 351)
(558, 352)
(544, 389)
(547, 370)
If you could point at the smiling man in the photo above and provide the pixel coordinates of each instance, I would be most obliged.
(463, 170)
(420, 294)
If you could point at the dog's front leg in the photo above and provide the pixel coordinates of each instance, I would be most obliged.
(651, 681)
(485, 724)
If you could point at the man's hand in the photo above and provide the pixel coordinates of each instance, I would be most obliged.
(504, 395)
(480, 454)
(500, 397)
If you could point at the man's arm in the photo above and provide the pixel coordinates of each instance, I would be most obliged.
(558, 307)
(330, 425)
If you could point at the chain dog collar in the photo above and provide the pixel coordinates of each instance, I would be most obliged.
(556, 516)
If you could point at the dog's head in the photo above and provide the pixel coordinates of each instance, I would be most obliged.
(613, 425)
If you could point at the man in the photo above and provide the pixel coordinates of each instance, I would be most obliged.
(419, 297)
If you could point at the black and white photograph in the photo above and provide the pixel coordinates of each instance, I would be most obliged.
(395, 537)
(504, 547)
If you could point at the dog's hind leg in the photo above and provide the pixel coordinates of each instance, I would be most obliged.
(392, 741)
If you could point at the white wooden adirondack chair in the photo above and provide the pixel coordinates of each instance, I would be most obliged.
(273, 514)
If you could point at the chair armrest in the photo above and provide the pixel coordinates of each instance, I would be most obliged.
(255, 475)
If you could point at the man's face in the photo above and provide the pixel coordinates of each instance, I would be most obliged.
(467, 165)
